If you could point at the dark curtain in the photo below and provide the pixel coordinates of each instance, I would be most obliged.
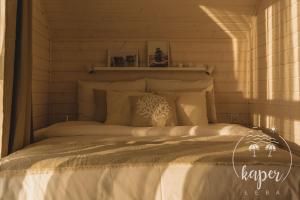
(17, 123)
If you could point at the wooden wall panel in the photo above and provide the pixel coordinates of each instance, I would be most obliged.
(275, 69)
(41, 65)
(202, 31)
(148, 19)
(71, 57)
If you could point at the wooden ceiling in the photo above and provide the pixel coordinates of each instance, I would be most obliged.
(148, 18)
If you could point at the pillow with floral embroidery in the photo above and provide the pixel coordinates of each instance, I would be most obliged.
(153, 110)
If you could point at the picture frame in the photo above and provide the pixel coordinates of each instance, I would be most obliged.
(158, 53)
(122, 58)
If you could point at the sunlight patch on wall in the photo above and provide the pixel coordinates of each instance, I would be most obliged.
(295, 68)
(295, 53)
(296, 131)
(270, 121)
(254, 61)
(256, 119)
(276, 71)
(269, 50)
(214, 15)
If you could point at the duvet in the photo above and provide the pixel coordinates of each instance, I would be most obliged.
(87, 160)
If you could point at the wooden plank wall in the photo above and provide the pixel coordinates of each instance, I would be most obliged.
(275, 77)
(70, 57)
(207, 32)
(41, 65)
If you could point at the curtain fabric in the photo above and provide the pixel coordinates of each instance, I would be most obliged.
(17, 126)
(2, 31)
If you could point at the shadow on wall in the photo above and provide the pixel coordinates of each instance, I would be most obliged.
(275, 77)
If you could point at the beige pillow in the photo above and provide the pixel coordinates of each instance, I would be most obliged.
(100, 105)
(191, 108)
(86, 102)
(156, 85)
(211, 105)
(153, 110)
(118, 107)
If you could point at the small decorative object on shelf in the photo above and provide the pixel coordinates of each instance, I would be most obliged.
(123, 58)
(158, 53)
(180, 65)
(190, 65)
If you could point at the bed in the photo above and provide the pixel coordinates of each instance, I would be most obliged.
(90, 160)
(150, 139)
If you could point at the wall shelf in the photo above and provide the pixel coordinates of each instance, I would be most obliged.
(207, 69)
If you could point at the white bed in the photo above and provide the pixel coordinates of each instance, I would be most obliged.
(89, 160)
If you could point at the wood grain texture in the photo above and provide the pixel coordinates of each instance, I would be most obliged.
(40, 65)
(147, 19)
(202, 31)
(70, 58)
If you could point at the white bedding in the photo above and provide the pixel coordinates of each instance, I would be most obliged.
(80, 128)
(88, 160)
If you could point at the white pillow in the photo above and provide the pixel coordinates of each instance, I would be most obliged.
(155, 85)
(86, 102)
(118, 107)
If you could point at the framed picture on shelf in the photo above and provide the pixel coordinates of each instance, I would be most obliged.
(122, 58)
(158, 53)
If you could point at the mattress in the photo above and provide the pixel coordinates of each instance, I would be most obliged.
(89, 160)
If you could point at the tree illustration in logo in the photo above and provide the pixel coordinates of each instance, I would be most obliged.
(270, 147)
(262, 150)
(254, 148)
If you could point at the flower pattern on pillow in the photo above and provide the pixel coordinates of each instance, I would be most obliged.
(154, 107)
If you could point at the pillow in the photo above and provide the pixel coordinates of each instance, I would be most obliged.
(153, 110)
(100, 105)
(118, 107)
(86, 103)
(155, 85)
(211, 105)
(191, 108)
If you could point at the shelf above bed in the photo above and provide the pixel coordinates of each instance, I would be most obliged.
(206, 69)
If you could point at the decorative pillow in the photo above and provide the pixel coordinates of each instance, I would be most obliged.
(86, 102)
(118, 107)
(191, 108)
(156, 85)
(153, 110)
(100, 105)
